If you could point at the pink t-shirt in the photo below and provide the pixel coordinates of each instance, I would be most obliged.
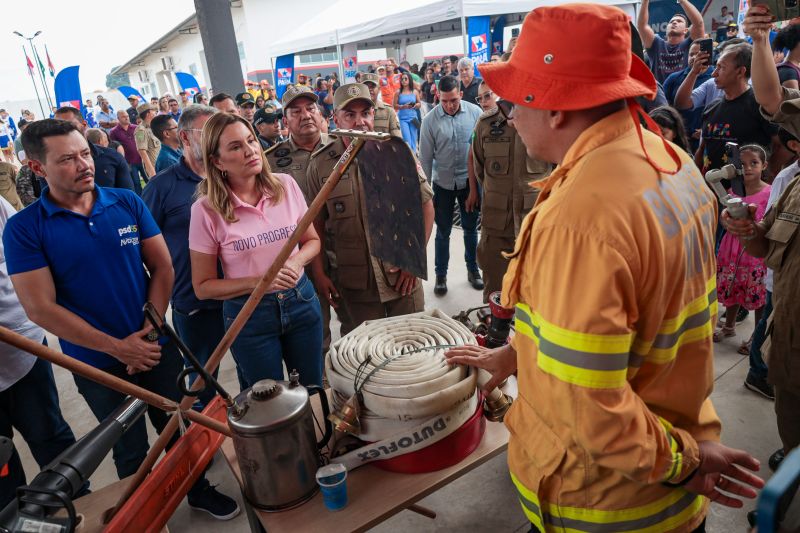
(248, 247)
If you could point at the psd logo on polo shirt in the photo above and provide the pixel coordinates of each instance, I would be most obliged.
(133, 231)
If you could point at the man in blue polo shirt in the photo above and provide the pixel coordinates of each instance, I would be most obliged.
(170, 195)
(77, 260)
(110, 168)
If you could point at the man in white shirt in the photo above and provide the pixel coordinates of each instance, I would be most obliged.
(28, 395)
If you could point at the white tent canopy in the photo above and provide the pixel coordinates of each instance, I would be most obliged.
(381, 24)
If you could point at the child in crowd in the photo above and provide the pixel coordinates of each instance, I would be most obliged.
(740, 276)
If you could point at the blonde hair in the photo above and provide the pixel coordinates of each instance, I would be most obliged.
(215, 186)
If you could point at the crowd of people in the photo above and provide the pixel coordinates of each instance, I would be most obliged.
(185, 202)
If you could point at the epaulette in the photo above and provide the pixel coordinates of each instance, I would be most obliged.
(274, 147)
(331, 141)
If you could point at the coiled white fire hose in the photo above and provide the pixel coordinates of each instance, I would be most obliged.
(409, 401)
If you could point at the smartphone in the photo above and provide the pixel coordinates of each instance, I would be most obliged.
(514, 32)
(706, 46)
(780, 9)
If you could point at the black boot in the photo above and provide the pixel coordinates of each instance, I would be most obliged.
(441, 286)
(475, 280)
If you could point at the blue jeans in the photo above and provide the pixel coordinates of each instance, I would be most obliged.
(409, 132)
(286, 326)
(758, 369)
(31, 406)
(136, 171)
(200, 332)
(443, 201)
(131, 449)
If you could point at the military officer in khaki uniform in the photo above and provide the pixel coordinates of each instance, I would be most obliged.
(505, 172)
(386, 120)
(366, 287)
(291, 156)
(8, 185)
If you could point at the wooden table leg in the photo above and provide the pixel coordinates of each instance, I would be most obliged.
(424, 511)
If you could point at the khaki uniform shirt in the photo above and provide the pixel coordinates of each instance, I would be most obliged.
(359, 275)
(8, 186)
(146, 140)
(386, 120)
(290, 159)
(505, 171)
(783, 257)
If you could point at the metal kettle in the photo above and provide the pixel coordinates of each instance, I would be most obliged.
(275, 442)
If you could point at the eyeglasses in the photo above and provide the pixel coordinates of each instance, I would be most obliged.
(485, 96)
(506, 108)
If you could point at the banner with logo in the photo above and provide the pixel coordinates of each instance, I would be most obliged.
(188, 83)
(497, 35)
(661, 11)
(284, 68)
(478, 35)
(350, 62)
(68, 88)
(128, 91)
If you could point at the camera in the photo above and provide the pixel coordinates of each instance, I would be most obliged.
(737, 183)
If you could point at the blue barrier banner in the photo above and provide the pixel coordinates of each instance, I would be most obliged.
(128, 91)
(284, 67)
(68, 88)
(478, 35)
(188, 83)
(497, 35)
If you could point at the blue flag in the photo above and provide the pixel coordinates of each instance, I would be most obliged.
(188, 83)
(128, 91)
(284, 70)
(68, 89)
(497, 35)
(478, 40)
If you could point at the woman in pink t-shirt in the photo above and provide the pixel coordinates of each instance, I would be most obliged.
(242, 218)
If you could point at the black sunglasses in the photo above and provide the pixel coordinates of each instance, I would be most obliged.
(506, 108)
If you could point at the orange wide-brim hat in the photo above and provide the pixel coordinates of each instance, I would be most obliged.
(573, 56)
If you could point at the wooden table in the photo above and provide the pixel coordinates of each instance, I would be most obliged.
(373, 495)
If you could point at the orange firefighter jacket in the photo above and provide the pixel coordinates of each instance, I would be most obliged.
(613, 279)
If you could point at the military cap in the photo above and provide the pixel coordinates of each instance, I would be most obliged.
(244, 99)
(144, 108)
(296, 91)
(351, 92)
(371, 77)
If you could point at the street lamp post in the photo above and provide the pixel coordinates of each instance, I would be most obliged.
(41, 74)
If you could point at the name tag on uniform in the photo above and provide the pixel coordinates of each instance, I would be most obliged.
(789, 217)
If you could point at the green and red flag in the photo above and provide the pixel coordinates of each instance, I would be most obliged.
(50, 66)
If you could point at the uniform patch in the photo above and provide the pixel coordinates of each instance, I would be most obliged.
(282, 152)
(496, 132)
(283, 162)
(789, 217)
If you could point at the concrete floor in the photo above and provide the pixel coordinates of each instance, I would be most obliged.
(484, 499)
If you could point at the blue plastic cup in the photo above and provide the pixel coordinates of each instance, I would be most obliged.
(332, 480)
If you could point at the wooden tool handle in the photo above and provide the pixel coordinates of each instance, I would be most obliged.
(104, 378)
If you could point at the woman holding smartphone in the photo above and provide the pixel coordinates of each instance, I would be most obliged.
(243, 216)
(406, 102)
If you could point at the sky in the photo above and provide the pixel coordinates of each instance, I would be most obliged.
(95, 34)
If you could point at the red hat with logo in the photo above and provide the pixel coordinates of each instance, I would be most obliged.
(569, 57)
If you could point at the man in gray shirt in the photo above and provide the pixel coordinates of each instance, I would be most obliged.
(444, 147)
(28, 396)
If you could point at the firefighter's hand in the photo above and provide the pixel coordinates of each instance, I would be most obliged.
(722, 470)
(473, 201)
(499, 362)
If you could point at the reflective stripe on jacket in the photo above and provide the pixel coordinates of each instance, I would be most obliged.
(613, 279)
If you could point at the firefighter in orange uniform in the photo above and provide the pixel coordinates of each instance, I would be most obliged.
(613, 280)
